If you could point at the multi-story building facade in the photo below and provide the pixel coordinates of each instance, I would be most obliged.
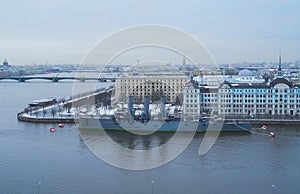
(199, 99)
(153, 86)
(277, 97)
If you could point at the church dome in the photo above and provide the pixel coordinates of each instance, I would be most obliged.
(245, 72)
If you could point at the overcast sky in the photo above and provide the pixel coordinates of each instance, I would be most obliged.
(62, 31)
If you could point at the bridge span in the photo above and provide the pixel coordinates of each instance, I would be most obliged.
(57, 79)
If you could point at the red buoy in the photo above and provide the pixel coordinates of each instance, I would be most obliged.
(52, 129)
(271, 134)
(264, 127)
(61, 125)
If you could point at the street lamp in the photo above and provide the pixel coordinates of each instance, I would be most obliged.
(38, 184)
(38, 187)
(152, 186)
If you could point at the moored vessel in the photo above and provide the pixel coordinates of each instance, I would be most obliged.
(112, 124)
(144, 122)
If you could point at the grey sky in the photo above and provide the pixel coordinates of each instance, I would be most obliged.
(62, 31)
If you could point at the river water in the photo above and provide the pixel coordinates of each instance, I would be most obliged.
(33, 160)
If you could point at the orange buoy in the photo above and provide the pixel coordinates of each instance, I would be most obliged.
(61, 125)
(271, 134)
(52, 129)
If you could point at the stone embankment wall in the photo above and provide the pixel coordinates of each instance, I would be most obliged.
(99, 97)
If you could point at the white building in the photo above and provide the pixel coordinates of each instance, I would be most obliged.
(199, 99)
(246, 96)
(278, 97)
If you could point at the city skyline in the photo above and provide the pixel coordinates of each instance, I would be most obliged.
(64, 31)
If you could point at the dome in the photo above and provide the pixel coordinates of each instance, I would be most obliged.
(246, 72)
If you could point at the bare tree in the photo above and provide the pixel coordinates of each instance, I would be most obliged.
(44, 112)
(60, 110)
(53, 111)
(26, 110)
(67, 107)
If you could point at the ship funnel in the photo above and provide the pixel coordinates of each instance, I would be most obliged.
(130, 106)
(163, 106)
(146, 107)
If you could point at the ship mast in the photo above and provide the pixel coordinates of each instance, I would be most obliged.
(201, 94)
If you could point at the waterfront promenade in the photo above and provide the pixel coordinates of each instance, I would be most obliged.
(267, 119)
(65, 111)
(64, 116)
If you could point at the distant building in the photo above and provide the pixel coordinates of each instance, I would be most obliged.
(245, 96)
(5, 64)
(154, 86)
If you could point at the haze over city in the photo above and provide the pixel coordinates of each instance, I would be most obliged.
(233, 31)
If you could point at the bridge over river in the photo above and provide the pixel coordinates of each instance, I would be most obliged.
(57, 79)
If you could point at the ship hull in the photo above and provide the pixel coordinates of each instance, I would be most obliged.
(162, 126)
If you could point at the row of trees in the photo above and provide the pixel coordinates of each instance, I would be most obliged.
(103, 99)
(53, 111)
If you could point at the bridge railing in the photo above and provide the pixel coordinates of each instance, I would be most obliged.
(57, 79)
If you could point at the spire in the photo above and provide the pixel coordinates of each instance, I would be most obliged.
(279, 69)
(279, 65)
(183, 64)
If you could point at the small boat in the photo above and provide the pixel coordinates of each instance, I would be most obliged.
(52, 129)
(61, 125)
(264, 127)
